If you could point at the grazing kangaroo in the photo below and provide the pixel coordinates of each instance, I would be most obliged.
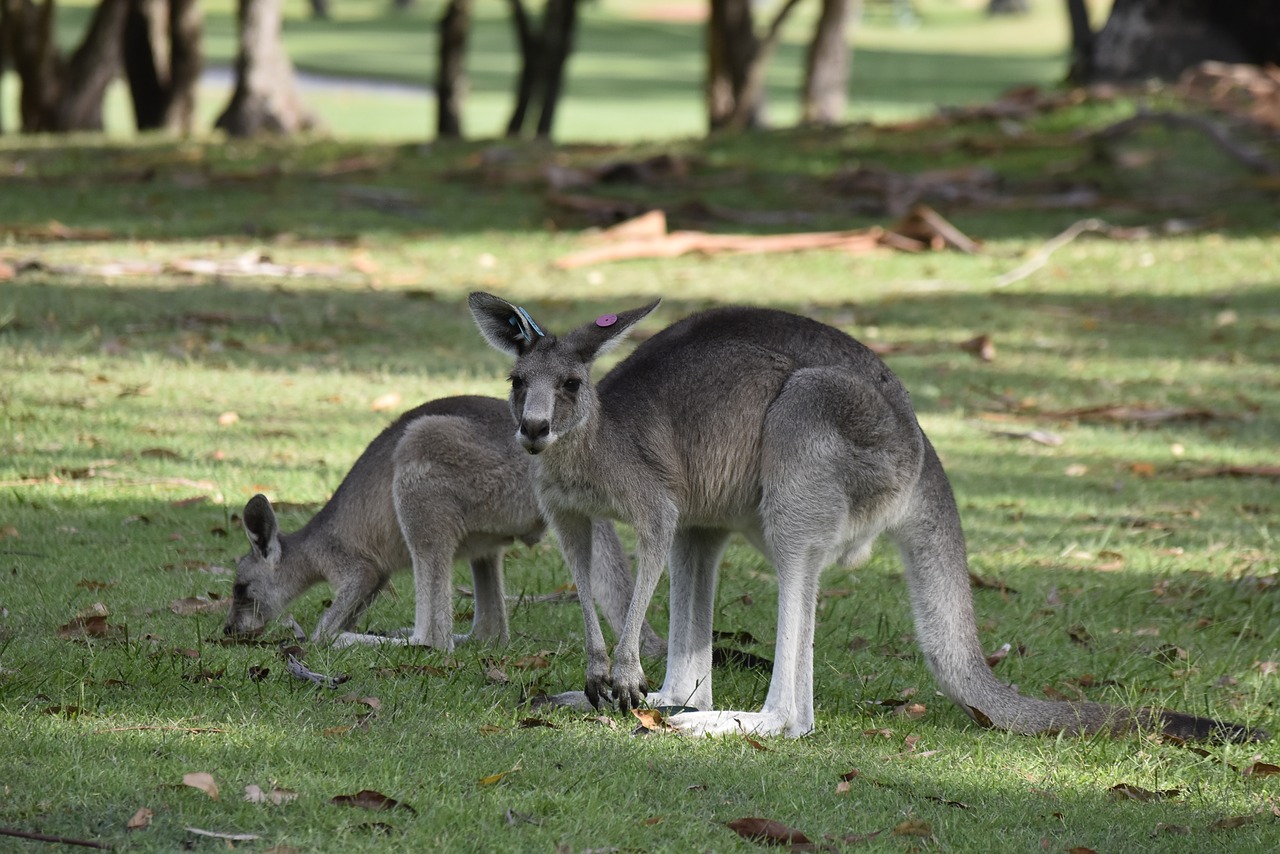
(798, 437)
(446, 481)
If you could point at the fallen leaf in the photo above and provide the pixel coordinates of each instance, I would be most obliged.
(494, 779)
(368, 799)
(1126, 791)
(67, 712)
(141, 819)
(1076, 470)
(537, 661)
(913, 827)
(210, 604)
(87, 627)
(226, 419)
(1080, 849)
(489, 729)
(755, 744)
(203, 781)
(981, 348)
(843, 787)
(1162, 829)
(651, 720)
(255, 795)
(767, 831)
(1260, 769)
(1231, 823)
(94, 586)
(534, 723)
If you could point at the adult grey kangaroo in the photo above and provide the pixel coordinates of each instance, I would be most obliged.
(791, 433)
(446, 481)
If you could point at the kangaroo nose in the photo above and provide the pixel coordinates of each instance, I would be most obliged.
(535, 429)
(227, 630)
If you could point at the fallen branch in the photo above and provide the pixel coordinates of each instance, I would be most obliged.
(679, 243)
(299, 670)
(58, 840)
(1242, 154)
(193, 730)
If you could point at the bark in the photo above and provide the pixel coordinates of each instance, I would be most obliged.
(1162, 38)
(826, 72)
(737, 59)
(1082, 46)
(544, 53)
(266, 96)
(63, 93)
(1008, 7)
(451, 76)
(162, 60)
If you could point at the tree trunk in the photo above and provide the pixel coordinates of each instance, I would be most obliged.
(559, 22)
(63, 93)
(266, 95)
(528, 43)
(1082, 46)
(826, 71)
(1008, 7)
(162, 60)
(736, 63)
(451, 76)
(1162, 38)
(543, 55)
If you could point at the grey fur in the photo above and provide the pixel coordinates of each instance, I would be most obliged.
(792, 434)
(445, 482)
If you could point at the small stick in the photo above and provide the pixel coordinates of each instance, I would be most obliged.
(1052, 245)
(59, 840)
(298, 669)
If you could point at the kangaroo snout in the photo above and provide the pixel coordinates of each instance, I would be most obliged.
(533, 434)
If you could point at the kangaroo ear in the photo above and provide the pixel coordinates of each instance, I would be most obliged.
(606, 332)
(261, 528)
(507, 327)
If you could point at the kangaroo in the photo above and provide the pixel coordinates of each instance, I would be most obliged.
(446, 481)
(792, 434)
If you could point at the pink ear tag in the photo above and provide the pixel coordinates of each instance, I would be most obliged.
(606, 320)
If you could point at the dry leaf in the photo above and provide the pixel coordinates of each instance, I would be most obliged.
(913, 827)
(141, 819)
(1231, 823)
(755, 744)
(210, 604)
(1260, 769)
(1162, 829)
(843, 787)
(368, 799)
(226, 419)
(489, 729)
(767, 831)
(254, 795)
(651, 720)
(1125, 791)
(87, 627)
(494, 779)
(203, 781)
(534, 723)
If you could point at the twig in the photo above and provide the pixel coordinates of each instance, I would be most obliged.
(1041, 257)
(1242, 154)
(298, 669)
(59, 840)
(187, 729)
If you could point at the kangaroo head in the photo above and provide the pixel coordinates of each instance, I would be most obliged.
(551, 388)
(257, 595)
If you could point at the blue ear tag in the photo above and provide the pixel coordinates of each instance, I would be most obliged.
(525, 326)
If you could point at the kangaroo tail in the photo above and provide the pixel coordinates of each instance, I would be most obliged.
(932, 546)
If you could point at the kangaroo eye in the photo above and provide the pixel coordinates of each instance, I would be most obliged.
(571, 385)
(517, 383)
(240, 590)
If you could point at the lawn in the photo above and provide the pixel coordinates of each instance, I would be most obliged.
(183, 324)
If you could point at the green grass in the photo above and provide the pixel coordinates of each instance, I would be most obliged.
(631, 76)
(120, 484)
